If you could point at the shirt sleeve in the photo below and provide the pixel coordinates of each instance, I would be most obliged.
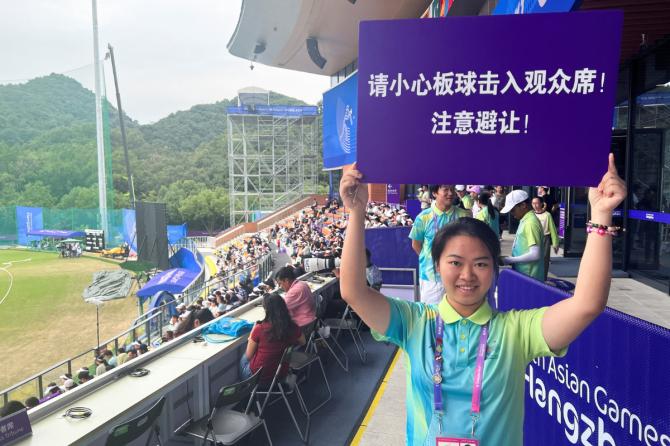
(403, 319)
(256, 332)
(532, 235)
(529, 326)
(418, 230)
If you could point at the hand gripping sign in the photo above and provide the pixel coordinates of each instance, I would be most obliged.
(488, 100)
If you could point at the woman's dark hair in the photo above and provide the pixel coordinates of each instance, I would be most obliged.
(11, 407)
(470, 227)
(31, 402)
(204, 316)
(485, 199)
(277, 315)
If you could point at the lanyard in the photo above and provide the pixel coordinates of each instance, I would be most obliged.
(477, 380)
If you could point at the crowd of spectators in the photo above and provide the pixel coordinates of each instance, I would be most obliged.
(384, 215)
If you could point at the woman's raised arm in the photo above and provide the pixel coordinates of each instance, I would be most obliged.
(368, 303)
(565, 320)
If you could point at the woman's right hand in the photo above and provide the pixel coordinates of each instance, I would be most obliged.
(353, 192)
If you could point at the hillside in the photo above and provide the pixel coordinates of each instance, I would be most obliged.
(48, 153)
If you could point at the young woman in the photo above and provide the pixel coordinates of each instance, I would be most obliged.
(442, 342)
(488, 213)
(269, 338)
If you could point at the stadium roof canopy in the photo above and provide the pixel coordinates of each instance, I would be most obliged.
(282, 33)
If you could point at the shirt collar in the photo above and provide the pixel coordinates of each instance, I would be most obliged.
(439, 212)
(528, 215)
(449, 315)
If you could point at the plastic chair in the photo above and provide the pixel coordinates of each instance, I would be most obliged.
(302, 361)
(281, 388)
(125, 433)
(321, 335)
(228, 426)
(348, 323)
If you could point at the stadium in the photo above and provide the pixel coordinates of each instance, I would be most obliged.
(218, 275)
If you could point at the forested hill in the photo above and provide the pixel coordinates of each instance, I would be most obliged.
(48, 152)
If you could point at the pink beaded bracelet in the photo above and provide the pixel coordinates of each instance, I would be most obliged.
(602, 229)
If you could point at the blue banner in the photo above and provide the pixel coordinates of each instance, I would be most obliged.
(610, 388)
(129, 229)
(176, 233)
(27, 219)
(275, 110)
(659, 217)
(340, 118)
(534, 6)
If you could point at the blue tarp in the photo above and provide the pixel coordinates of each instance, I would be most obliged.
(173, 281)
(185, 259)
(56, 233)
(176, 233)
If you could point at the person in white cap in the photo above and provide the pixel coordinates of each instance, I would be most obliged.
(466, 200)
(527, 256)
(474, 192)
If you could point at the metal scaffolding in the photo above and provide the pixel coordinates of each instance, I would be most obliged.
(272, 158)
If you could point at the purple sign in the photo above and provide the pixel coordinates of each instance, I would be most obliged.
(561, 221)
(393, 193)
(14, 427)
(488, 100)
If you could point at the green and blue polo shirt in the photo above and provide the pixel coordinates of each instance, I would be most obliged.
(426, 225)
(529, 233)
(515, 338)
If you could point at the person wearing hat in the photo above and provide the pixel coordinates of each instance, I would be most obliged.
(465, 200)
(426, 225)
(527, 256)
(474, 192)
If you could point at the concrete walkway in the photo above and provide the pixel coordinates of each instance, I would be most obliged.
(386, 425)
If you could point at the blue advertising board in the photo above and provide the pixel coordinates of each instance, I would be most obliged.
(427, 108)
(534, 6)
(609, 389)
(340, 117)
(27, 220)
(275, 110)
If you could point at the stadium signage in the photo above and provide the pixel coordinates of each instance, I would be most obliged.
(607, 390)
(14, 427)
(340, 118)
(488, 110)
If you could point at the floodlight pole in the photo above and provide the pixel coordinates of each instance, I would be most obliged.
(131, 186)
(100, 140)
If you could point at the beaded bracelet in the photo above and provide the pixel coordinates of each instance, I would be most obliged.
(603, 229)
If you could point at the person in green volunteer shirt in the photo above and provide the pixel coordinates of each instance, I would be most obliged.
(488, 213)
(466, 200)
(548, 229)
(444, 344)
(527, 256)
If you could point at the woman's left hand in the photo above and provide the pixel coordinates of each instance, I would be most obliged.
(610, 192)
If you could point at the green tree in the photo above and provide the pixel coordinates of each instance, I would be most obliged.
(38, 195)
(80, 197)
(207, 209)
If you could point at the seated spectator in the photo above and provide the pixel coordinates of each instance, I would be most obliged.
(298, 297)
(101, 365)
(110, 358)
(372, 273)
(132, 354)
(69, 384)
(143, 348)
(202, 317)
(52, 391)
(31, 402)
(269, 338)
(11, 407)
(84, 376)
(122, 356)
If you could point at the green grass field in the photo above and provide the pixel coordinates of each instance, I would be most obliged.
(44, 319)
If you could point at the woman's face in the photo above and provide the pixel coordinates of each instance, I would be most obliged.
(466, 269)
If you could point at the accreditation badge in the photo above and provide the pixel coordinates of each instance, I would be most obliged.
(456, 441)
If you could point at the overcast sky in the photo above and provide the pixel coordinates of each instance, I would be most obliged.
(170, 54)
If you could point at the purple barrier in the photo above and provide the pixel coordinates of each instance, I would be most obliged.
(391, 248)
(612, 387)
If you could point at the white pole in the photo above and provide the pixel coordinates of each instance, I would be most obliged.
(100, 140)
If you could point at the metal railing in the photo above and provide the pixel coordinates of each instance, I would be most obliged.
(146, 328)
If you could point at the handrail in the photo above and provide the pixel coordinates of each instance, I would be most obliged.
(153, 324)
